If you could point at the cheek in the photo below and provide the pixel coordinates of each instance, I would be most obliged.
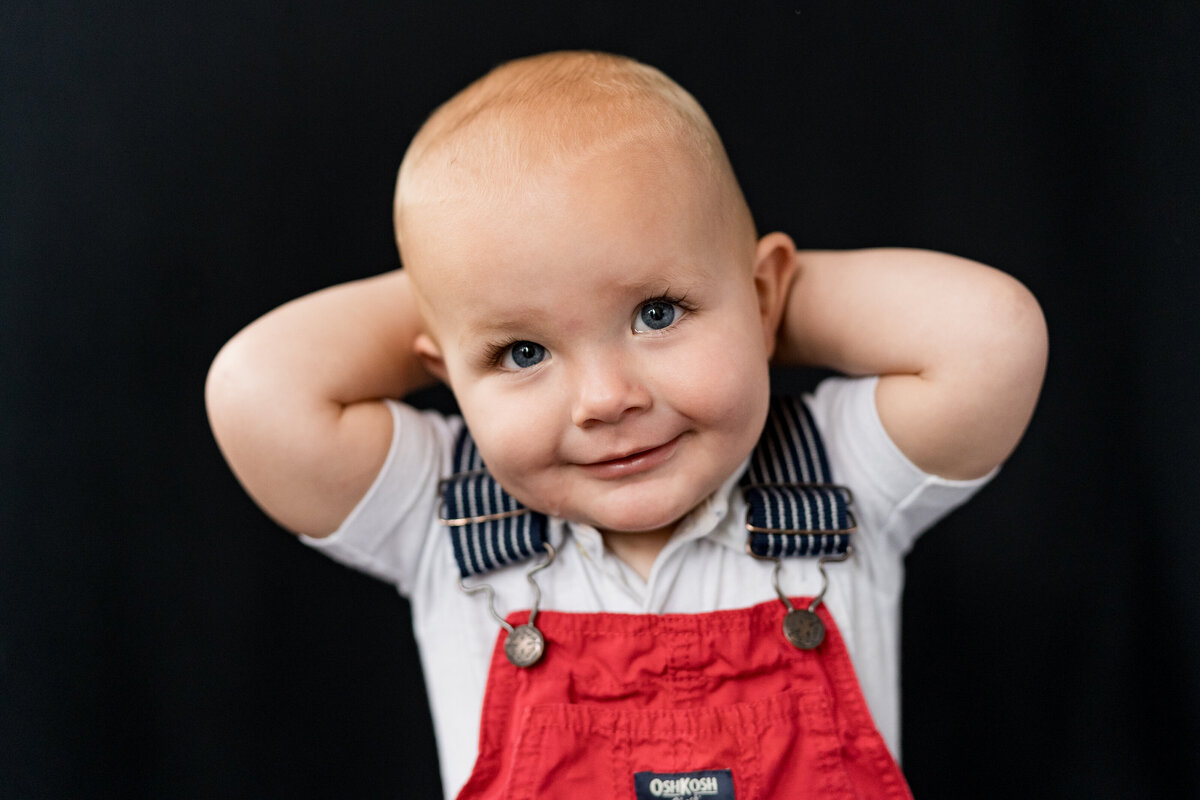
(503, 432)
(721, 376)
(493, 416)
(513, 438)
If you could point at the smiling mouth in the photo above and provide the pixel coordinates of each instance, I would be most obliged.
(634, 463)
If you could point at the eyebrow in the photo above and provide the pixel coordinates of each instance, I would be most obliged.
(506, 325)
(497, 326)
(480, 342)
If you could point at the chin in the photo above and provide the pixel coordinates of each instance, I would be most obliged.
(651, 506)
(637, 522)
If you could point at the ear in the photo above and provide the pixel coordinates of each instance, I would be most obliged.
(774, 271)
(430, 354)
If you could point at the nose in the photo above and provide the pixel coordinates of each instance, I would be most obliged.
(608, 389)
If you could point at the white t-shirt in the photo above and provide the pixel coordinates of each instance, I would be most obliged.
(394, 534)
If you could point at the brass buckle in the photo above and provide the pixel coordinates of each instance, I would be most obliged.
(458, 522)
(823, 532)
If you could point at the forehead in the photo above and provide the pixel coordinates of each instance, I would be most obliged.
(636, 207)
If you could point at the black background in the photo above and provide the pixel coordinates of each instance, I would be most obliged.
(173, 170)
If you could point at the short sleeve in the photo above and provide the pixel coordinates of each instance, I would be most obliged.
(386, 533)
(893, 497)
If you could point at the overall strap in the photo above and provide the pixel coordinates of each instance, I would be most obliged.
(488, 528)
(793, 507)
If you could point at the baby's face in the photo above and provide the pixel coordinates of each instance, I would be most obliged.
(604, 340)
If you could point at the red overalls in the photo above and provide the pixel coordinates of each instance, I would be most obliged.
(637, 706)
(618, 695)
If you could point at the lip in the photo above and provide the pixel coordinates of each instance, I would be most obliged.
(634, 463)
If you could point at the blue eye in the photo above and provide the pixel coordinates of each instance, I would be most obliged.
(654, 316)
(521, 355)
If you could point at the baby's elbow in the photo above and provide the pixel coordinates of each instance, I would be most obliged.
(217, 386)
(1008, 373)
(1021, 335)
(236, 407)
(225, 388)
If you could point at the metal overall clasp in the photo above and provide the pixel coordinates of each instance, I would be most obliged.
(801, 626)
(525, 644)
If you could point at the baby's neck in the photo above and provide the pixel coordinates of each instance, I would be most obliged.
(638, 549)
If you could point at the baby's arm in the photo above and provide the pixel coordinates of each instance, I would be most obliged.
(960, 348)
(295, 399)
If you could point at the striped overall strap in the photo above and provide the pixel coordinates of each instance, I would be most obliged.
(794, 509)
(488, 528)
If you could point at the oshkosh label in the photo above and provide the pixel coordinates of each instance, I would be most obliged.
(709, 784)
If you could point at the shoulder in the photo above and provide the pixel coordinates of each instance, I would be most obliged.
(893, 497)
(386, 534)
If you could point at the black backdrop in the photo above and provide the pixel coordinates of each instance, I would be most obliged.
(172, 170)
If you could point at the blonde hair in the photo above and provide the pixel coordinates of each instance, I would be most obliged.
(550, 110)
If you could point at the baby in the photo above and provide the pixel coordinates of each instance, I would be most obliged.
(581, 268)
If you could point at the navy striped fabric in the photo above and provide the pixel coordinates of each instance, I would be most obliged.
(794, 510)
(506, 533)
